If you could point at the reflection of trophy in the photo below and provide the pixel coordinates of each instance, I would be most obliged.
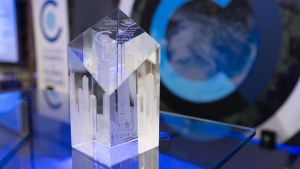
(146, 160)
(114, 90)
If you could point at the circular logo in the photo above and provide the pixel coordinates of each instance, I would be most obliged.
(207, 50)
(48, 21)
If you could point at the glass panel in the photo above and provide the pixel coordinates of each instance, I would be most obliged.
(185, 142)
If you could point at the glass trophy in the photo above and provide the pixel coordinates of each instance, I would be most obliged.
(114, 90)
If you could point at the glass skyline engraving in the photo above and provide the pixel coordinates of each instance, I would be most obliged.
(114, 89)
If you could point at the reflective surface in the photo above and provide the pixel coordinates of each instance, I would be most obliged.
(184, 142)
(13, 124)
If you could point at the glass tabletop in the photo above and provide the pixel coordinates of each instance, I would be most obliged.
(185, 142)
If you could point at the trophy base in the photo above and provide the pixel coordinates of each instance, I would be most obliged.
(109, 155)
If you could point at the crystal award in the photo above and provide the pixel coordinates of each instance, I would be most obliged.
(114, 89)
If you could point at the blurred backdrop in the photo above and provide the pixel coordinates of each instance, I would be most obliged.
(235, 61)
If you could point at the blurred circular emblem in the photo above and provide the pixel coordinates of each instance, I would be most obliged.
(48, 21)
(208, 50)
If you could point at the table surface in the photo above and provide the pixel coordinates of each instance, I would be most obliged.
(45, 141)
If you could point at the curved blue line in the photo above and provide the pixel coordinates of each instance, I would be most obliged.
(48, 100)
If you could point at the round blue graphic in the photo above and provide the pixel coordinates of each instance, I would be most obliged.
(204, 57)
(50, 23)
(51, 20)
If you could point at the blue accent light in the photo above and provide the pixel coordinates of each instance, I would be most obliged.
(168, 162)
(10, 111)
(9, 102)
(280, 146)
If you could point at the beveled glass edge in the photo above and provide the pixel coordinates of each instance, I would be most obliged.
(211, 121)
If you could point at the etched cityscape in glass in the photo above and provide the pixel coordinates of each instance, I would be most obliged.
(114, 89)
